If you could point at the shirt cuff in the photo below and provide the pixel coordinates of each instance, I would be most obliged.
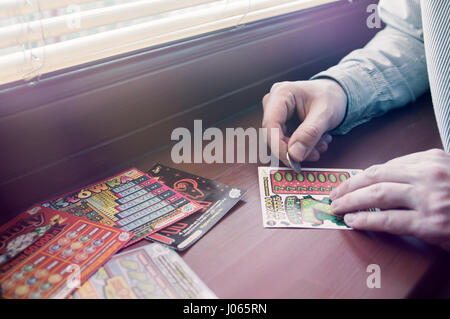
(361, 86)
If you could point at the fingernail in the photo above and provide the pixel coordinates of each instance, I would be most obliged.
(335, 205)
(297, 151)
(349, 219)
(332, 194)
(295, 165)
(328, 138)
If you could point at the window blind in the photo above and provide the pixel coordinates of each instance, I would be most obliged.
(42, 36)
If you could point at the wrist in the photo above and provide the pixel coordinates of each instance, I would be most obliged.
(336, 99)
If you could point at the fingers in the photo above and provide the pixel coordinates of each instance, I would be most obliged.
(392, 221)
(321, 147)
(282, 151)
(309, 139)
(265, 97)
(417, 157)
(307, 136)
(381, 195)
(314, 156)
(278, 108)
(373, 175)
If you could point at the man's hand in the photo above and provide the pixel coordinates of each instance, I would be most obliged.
(319, 104)
(413, 192)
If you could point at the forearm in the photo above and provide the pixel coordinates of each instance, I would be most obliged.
(389, 72)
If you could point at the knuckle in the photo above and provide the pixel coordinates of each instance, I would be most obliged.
(289, 99)
(264, 100)
(379, 193)
(342, 189)
(436, 208)
(266, 123)
(386, 222)
(426, 204)
(363, 221)
(436, 152)
(278, 86)
(347, 200)
(373, 172)
(338, 191)
(314, 156)
(322, 147)
(433, 228)
(438, 172)
(442, 221)
(282, 94)
(274, 87)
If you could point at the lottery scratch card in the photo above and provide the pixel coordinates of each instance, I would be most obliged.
(149, 272)
(215, 198)
(300, 200)
(131, 201)
(45, 253)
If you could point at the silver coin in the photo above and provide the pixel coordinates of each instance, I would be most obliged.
(295, 165)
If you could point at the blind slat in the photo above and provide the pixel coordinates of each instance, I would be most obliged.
(61, 25)
(280, 7)
(88, 48)
(13, 8)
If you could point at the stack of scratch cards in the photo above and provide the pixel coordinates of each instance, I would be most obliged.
(52, 248)
(215, 198)
(150, 272)
(44, 253)
(132, 201)
(300, 200)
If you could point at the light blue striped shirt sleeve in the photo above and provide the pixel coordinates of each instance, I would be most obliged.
(389, 72)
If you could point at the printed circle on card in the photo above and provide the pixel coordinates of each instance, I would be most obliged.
(124, 237)
(188, 208)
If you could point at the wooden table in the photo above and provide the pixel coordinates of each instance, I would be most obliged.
(239, 258)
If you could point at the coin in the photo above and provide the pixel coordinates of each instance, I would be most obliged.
(295, 165)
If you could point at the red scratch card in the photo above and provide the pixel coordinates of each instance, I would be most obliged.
(45, 253)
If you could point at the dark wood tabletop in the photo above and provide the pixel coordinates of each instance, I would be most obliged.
(239, 258)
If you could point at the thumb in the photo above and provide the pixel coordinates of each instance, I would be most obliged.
(306, 136)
